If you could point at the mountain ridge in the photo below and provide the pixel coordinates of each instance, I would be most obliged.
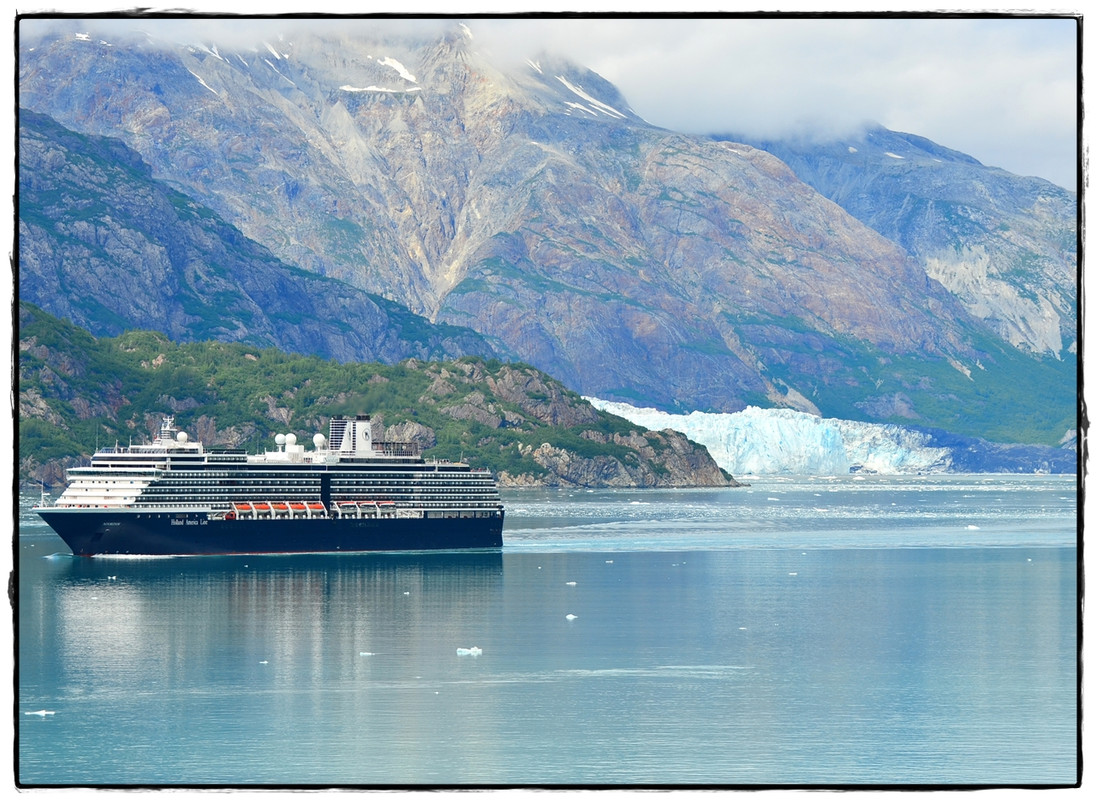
(632, 262)
(1005, 245)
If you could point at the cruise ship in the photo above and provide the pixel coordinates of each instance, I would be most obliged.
(349, 493)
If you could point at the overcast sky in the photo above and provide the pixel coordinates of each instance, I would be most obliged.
(1001, 90)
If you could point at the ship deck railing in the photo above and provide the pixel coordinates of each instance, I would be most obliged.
(353, 509)
(405, 449)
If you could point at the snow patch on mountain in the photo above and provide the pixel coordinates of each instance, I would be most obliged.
(278, 72)
(206, 85)
(348, 88)
(759, 441)
(597, 104)
(388, 61)
(580, 107)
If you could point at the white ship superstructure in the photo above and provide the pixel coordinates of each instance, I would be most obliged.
(347, 475)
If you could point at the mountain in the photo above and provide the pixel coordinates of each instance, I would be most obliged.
(759, 441)
(529, 203)
(106, 245)
(76, 391)
(1005, 245)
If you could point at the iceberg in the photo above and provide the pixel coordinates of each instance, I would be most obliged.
(758, 441)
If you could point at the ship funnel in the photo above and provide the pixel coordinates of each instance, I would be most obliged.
(351, 436)
(167, 430)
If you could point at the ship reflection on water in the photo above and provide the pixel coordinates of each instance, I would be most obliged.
(122, 619)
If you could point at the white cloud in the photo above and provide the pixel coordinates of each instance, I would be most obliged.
(1001, 90)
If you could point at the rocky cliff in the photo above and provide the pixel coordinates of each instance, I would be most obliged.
(1005, 245)
(106, 245)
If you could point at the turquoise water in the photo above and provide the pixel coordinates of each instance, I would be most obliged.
(916, 631)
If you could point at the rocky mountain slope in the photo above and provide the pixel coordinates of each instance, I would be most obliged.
(76, 391)
(1005, 245)
(530, 204)
(104, 244)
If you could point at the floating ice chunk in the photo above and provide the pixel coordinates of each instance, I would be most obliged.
(571, 583)
(973, 528)
(264, 662)
(571, 616)
(468, 651)
(363, 653)
(793, 573)
(42, 713)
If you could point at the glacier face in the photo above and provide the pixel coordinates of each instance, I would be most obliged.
(759, 441)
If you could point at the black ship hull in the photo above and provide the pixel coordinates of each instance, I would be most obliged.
(91, 532)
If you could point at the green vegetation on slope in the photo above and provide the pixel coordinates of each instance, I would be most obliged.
(77, 392)
(849, 379)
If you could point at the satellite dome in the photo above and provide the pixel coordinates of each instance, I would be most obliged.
(279, 439)
(319, 440)
(291, 438)
(181, 437)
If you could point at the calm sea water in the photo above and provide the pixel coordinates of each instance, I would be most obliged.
(799, 632)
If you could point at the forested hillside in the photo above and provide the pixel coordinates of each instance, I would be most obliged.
(77, 392)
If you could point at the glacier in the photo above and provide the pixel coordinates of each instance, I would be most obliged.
(757, 441)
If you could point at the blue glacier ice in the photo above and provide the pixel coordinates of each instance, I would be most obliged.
(757, 441)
